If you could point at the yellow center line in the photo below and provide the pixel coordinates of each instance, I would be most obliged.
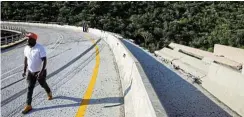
(86, 99)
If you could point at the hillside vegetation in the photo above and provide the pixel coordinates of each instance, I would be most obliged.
(153, 25)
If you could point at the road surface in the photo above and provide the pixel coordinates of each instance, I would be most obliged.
(76, 61)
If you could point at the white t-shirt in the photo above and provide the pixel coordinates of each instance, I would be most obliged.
(34, 56)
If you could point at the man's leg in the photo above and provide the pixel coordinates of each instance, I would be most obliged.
(31, 81)
(43, 83)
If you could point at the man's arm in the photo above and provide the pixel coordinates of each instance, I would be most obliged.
(25, 66)
(44, 59)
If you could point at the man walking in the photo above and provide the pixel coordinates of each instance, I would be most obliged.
(84, 26)
(35, 60)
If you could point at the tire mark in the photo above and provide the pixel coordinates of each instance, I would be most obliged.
(11, 98)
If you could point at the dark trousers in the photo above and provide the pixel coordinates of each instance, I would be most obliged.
(31, 81)
(84, 29)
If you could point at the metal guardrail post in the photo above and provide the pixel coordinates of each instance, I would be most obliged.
(15, 38)
(18, 37)
(12, 39)
(6, 40)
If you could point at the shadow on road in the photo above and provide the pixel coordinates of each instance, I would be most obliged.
(11, 98)
(109, 102)
(178, 97)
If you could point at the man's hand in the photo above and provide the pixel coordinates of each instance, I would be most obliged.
(25, 67)
(40, 74)
(23, 74)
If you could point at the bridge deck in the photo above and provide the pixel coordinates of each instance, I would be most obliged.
(72, 61)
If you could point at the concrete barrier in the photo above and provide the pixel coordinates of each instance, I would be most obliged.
(224, 83)
(227, 85)
(15, 31)
(137, 102)
(188, 64)
(136, 99)
(165, 57)
(189, 50)
(232, 53)
(201, 54)
(174, 54)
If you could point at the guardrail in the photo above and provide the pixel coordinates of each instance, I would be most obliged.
(12, 38)
(43, 22)
(136, 98)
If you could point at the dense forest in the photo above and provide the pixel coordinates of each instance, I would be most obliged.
(153, 25)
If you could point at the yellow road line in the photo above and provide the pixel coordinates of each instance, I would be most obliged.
(86, 99)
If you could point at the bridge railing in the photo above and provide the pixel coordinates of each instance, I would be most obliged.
(12, 38)
(43, 22)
